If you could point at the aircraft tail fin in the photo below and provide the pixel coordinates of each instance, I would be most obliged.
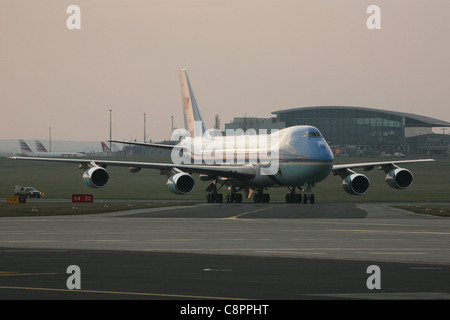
(40, 147)
(105, 148)
(24, 147)
(193, 119)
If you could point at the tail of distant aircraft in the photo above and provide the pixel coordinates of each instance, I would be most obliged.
(193, 120)
(24, 147)
(40, 147)
(105, 148)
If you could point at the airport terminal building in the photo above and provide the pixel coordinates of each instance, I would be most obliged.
(369, 131)
(349, 130)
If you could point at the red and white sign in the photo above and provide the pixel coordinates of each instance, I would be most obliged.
(82, 198)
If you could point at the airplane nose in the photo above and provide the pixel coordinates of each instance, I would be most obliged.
(325, 152)
(330, 156)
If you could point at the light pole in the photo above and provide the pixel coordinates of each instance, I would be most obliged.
(50, 137)
(110, 129)
(145, 125)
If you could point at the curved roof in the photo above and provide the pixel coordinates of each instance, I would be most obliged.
(411, 120)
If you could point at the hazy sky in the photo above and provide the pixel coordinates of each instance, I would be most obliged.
(244, 57)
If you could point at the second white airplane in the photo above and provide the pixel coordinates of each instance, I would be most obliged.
(297, 157)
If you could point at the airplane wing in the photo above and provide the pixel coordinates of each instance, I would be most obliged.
(146, 144)
(245, 172)
(367, 166)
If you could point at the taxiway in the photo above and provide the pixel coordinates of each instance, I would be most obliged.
(230, 251)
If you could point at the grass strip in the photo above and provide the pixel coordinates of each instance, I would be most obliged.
(33, 209)
(434, 210)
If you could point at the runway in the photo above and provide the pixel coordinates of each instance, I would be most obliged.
(229, 251)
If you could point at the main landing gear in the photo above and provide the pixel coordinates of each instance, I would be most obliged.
(259, 196)
(234, 197)
(293, 197)
(214, 196)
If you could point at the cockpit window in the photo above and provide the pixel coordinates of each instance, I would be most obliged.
(311, 134)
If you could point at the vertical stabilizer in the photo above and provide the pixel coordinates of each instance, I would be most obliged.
(193, 120)
(40, 147)
(105, 148)
(24, 147)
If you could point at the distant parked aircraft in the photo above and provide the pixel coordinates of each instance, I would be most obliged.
(42, 151)
(105, 148)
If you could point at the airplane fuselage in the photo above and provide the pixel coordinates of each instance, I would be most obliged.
(290, 157)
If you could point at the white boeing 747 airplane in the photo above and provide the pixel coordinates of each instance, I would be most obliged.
(297, 157)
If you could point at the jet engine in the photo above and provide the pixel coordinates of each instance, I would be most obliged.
(356, 184)
(181, 183)
(399, 178)
(96, 177)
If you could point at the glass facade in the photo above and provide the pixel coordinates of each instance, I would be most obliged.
(350, 126)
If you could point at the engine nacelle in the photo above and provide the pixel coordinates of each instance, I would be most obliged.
(399, 178)
(96, 177)
(356, 184)
(181, 183)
